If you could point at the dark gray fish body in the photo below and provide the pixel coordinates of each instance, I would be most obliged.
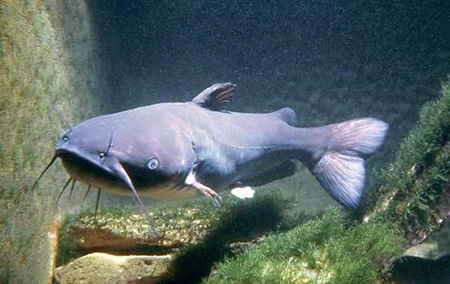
(177, 150)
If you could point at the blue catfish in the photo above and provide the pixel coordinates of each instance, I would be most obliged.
(180, 150)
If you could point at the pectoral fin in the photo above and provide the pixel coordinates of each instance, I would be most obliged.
(208, 192)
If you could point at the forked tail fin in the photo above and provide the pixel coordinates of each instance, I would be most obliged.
(340, 169)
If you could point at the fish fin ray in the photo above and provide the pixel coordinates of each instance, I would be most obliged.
(364, 135)
(340, 169)
(342, 176)
(208, 192)
(215, 96)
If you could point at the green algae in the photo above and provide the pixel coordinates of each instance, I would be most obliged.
(414, 187)
(171, 226)
(323, 250)
(43, 72)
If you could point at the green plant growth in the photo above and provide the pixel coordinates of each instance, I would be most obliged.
(414, 186)
(47, 65)
(323, 250)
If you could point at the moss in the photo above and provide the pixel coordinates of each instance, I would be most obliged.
(66, 244)
(37, 79)
(323, 250)
(241, 223)
(414, 185)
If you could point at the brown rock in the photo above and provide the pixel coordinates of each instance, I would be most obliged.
(106, 268)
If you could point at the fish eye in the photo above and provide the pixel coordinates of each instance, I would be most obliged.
(65, 138)
(153, 163)
(101, 155)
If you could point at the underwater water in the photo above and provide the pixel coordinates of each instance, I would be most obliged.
(329, 61)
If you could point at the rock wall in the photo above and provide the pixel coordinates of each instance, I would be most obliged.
(50, 66)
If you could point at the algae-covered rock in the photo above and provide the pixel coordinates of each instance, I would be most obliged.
(49, 65)
(168, 227)
(107, 268)
(198, 233)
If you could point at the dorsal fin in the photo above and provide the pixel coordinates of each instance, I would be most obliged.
(216, 96)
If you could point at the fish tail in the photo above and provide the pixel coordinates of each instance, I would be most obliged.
(340, 169)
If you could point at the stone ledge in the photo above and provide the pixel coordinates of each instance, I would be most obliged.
(112, 269)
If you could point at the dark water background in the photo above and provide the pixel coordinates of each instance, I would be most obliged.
(277, 52)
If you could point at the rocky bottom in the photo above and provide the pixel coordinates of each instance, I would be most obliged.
(107, 268)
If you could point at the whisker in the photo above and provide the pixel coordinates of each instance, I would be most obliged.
(87, 192)
(61, 117)
(62, 191)
(71, 188)
(43, 172)
(96, 203)
(139, 201)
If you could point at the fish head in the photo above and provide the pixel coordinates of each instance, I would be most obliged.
(118, 155)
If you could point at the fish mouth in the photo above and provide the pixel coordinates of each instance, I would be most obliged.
(108, 174)
(92, 172)
(74, 157)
